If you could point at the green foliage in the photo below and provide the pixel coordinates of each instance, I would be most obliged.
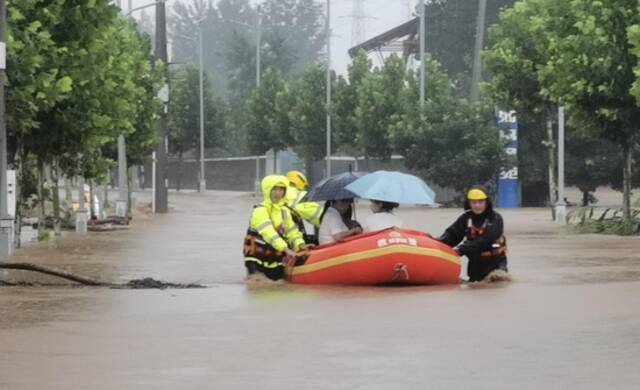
(378, 107)
(80, 76)
(184, 112)
(543, 51)
(267, 115)
(307, 113)
(346, 101)
(452, 142)
(591, 69)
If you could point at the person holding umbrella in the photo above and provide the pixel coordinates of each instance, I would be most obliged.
(478, 234)
(387, 190)
(382, 217)
(336, 220)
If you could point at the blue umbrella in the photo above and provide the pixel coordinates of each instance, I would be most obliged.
(333, 188)
(393, 187)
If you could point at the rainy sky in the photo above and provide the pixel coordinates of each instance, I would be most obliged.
(381, 15)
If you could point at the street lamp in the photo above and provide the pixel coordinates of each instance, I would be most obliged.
(160, 200)
(203, 184)
(132, 10)
(328, 38)
(6, 220)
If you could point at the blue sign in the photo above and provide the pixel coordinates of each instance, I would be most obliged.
(508, 183)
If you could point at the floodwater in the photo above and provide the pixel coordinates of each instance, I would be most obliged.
(570, 319)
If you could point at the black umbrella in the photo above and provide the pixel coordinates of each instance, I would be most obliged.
(333, 187)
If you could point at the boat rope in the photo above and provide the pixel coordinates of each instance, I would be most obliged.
(398, 270)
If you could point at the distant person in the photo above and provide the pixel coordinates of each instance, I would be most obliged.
(273, 236)
(481, 229)
(382, 217)
(301, 209)
(336, 222)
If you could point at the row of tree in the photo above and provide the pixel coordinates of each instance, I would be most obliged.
(582, 54)
(78, 76)
(376, 113)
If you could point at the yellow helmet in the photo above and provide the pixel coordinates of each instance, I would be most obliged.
(298, 180)
(476, 194)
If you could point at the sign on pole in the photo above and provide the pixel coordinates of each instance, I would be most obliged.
(508, 182)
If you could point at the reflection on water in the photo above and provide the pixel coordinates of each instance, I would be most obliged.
(570, 318)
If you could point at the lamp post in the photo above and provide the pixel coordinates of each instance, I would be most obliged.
(422, 44)
(202, 180)
(160, 199)
(6, 220)
(328, 38)
(561, 205)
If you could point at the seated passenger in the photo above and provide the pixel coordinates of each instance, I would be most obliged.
(272, 235)
(382, 217)
(336, 223)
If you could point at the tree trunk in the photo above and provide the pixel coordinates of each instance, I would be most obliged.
(180, 168)
(92, 203)
(68, 192)
(129, 192)
(626, 183)
(585, 198)
(105, 201)
(42, 216)
(19, 180)
(56, 201)
(53, 272)
(552, 163)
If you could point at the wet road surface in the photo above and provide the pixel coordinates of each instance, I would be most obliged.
(571, 318)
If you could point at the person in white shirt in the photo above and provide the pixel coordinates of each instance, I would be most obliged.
(382, 217)
(336, 221)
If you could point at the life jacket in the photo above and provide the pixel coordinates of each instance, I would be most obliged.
(258, 250)
(498, 248)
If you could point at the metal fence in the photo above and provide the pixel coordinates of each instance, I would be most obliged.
(245, 173)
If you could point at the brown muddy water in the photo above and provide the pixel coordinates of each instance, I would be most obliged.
(570, 319)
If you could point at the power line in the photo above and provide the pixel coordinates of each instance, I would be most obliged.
(358, 26)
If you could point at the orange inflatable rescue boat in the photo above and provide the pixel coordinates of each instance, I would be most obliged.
(391, 256)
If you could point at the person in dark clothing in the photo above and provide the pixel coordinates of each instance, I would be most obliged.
(478, 234)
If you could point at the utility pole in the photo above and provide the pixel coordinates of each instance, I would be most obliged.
(203, 181)
(161, 199)
(6, 221)
(561, 206)
(477, 54)
(258, 44)
(328, 38)
(422, 34)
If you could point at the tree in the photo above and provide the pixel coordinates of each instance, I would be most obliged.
(267, 120)
(345, 103)
(591, 70)
(82, 77)
(307, 113)
(378, 105)
(184, 113)
(451, 142)
(518, 49)
(590, 162)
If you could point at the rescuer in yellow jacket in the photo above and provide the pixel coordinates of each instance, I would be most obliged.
(302, 210)
(273, 234)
